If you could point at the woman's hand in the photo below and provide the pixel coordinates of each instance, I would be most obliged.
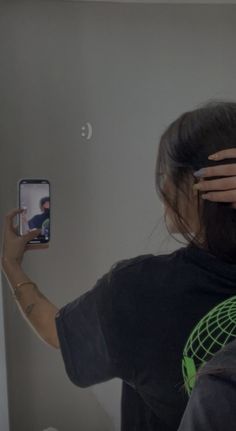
(223, 189)
(14, 246)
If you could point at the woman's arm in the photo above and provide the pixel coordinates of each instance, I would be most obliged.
(36, 308)
(38, 311)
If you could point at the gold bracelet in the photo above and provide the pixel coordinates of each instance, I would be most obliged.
(15, 294)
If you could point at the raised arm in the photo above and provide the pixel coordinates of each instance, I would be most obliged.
(38, 311)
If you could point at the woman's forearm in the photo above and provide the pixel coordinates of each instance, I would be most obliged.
(36, 308)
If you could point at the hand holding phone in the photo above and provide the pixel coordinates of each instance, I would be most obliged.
(34, 198)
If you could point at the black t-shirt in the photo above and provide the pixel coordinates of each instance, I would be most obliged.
(212, 404)
(134, 325)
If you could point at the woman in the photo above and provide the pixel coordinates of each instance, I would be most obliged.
(212, 403)
(136, 320)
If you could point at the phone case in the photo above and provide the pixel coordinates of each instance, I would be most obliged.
(40, 240)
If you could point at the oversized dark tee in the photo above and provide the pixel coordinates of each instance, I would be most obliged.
(134, 324)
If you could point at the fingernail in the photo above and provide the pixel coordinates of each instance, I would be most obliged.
(204, 196)
(196, 187)
(213, 156)
(199, 173)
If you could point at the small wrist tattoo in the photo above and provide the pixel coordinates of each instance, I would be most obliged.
(29, 309)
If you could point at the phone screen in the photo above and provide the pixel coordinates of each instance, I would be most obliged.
(34, 197)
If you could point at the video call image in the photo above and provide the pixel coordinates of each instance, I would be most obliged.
(35, 199)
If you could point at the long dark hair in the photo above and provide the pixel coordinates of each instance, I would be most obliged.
(184, 148)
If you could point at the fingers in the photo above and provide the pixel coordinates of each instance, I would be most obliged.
(13, 213)
(10, 217)
(220, 170)
(223, 154)
(27, 237)
(226, 196)
(216, 171)
(32, 234)
(15, 229)
(220, 184)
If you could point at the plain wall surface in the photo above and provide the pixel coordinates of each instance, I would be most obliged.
(128, 70)
(4, 410)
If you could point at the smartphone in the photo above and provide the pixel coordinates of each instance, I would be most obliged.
(34, 197)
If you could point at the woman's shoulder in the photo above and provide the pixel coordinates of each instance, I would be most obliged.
(142, 261)
(135, 261)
